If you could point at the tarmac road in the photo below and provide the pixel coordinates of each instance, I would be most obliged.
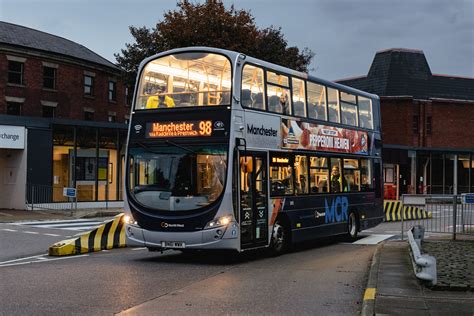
(326, 278)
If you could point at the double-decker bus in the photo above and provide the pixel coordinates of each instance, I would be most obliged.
(226, 151)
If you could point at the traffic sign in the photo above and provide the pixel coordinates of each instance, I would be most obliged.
(467, 198)
(69, 192)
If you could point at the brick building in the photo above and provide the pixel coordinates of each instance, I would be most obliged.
(63, 115)
(427, 124)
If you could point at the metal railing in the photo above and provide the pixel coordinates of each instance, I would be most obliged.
(449, 216)
(45, 197)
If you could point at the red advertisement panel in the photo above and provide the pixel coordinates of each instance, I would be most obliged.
(302, 135)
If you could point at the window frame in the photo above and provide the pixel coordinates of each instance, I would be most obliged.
(112, 98)
(10, 103)
(264, 93)
(53, 78)
(291, 164)
(91, 86)
(15, 72)
(305, 97)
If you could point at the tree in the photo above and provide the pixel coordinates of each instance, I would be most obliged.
(210, 24)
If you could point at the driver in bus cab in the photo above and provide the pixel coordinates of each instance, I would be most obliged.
(154, 101)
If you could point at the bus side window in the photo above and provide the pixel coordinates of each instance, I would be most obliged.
(252, 87)
(281, 176)
(319, 175)
(365, 175)
(351, 175)
(301, 174)
(317, 101)
(333, 105)
(365, 113)
(299, 97)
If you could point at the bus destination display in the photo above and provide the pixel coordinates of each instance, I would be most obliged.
(179, 129)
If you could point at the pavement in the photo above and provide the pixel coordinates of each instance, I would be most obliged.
(9, 216)
(393, 289)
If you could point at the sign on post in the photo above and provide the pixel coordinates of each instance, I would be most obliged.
(467, 198)
(69, 192)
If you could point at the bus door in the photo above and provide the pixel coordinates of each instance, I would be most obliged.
(253, 200)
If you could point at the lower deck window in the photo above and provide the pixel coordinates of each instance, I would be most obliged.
(281, 175)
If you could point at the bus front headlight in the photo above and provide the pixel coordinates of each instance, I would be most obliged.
(128, 219)
(218, 222)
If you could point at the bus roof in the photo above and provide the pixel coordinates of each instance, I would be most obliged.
(234, 56)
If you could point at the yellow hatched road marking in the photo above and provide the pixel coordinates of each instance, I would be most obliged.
(369, 293)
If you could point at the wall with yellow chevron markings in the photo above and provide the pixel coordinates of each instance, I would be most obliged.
(394, 210)
(109, 235)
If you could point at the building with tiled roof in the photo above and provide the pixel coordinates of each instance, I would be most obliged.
(427, 122)
(63, 115)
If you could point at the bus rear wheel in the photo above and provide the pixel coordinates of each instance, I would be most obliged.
(352, 226)
(280, 238)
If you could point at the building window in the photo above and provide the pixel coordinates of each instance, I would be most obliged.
(14, 108)
(112, 91)
(15, 72)
(49, 78)
(128, 97)
(416, 125)
(127, 119)
(88, 85)
(49, 111)
(88, 116)
(111, 118)
(428, 125)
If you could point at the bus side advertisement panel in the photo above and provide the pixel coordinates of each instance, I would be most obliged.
(309, 136)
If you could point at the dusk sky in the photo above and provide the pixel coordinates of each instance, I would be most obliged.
(344, 34)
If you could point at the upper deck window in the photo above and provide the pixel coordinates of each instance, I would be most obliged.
(333, 105)
(299, 97)
(278, 93)
(365, 113)
(185, 79)
(348, 109)
(317, 101)
(253, 87)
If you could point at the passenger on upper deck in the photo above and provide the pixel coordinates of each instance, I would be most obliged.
(284, 103)
(154, 101)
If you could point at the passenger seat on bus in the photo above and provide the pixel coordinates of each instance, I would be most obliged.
(274, 104)
(246, 100)
(299, 108)
(258, 101)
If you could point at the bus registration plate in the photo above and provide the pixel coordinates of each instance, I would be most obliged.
(173, 244)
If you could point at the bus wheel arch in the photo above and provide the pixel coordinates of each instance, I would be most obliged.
(280, 241)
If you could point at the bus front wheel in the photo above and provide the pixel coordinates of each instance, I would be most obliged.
(280, 238)
(352, 226)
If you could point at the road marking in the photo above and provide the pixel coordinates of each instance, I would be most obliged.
(9, 230)
(141, 248)
(33, 233)
(369, 293)
(43, 259)
(74, 225)
(14, 260)
(372, 239)
(54, 235)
